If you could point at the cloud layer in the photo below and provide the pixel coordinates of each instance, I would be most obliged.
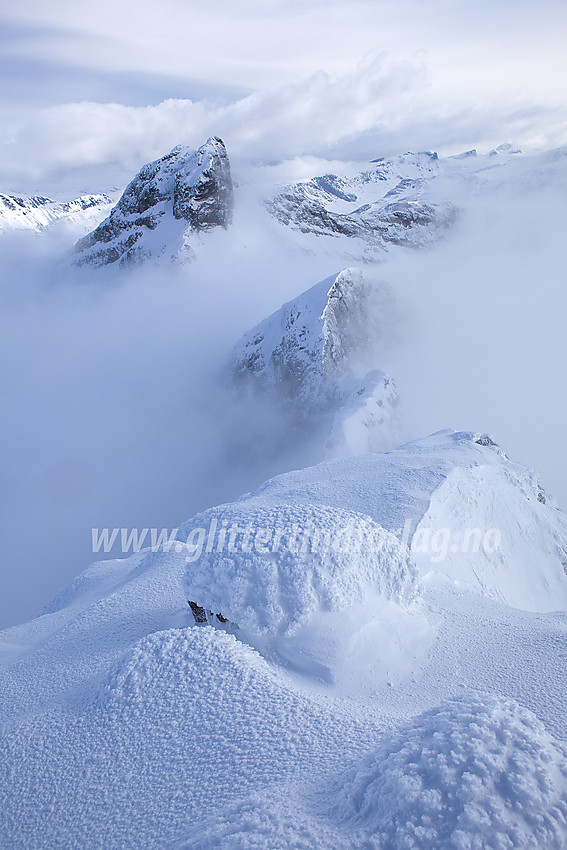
(325, 79)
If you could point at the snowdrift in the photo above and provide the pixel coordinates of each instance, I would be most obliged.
(279, 565)
(468, 513)
(478, 772)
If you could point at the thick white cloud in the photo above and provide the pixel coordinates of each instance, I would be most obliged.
(328, 78)
(378, 107)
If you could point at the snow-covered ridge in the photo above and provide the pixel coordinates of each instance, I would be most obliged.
(387, 204)
(439, 489)
(410, 200)
(36, 213)
(184, 192)
(125, 687)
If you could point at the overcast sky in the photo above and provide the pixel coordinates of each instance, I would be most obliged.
(98, 92)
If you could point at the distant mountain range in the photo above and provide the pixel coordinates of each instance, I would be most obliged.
(36, 213)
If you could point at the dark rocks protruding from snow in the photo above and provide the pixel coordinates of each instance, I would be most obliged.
(485, 440)
(186, 191)
(202, 616)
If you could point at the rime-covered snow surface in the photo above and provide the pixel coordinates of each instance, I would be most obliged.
(358, 680)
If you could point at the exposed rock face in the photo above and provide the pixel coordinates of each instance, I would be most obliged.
(22, 212)
(381, 206)
(185, 191)
(310, 359)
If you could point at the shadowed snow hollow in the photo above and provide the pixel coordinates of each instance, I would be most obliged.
(476, 773)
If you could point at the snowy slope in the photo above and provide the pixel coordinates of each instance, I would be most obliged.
(450, 481)
(343, 708)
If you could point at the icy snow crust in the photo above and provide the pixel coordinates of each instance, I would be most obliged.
(339, 704)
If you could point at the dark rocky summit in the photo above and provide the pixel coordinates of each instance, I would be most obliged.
(184, 192)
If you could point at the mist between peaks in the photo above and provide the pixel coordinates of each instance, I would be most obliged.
(231, 538)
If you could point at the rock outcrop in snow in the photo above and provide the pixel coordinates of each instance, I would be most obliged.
(187, 191)
(311, 357)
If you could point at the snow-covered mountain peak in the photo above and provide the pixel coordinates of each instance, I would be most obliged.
(314, 358)
(183, 192)
(317, 337)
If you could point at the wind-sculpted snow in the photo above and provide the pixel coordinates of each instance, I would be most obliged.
(185, 191)
(311, 359)
(476, 773)
(169, 664)
(131, 726)
(528, 567)
(270, 569)
(467, 511)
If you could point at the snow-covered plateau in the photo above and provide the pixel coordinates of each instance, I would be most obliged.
(366, 650)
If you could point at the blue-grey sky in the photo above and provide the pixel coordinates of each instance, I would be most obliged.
(86, 88)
